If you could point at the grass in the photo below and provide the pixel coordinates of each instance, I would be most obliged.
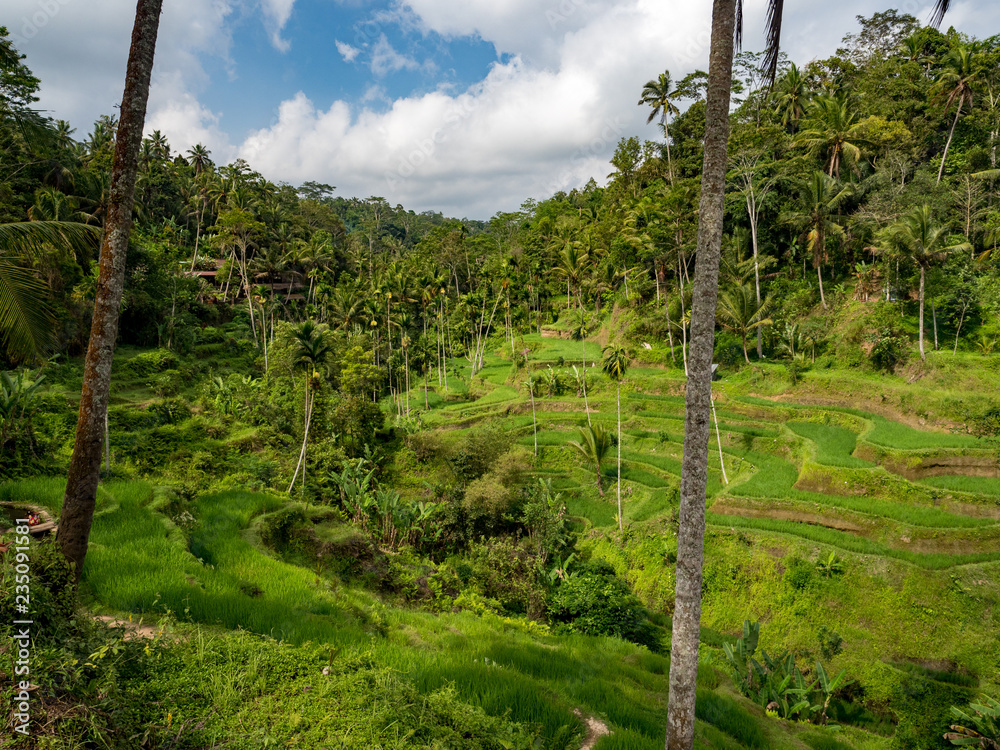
(849, 542)
(834, 445)
(975, 485)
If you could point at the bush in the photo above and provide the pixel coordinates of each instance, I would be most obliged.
(601, 604)
(149, 363)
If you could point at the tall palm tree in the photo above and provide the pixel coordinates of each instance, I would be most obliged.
(659, 94)
(791, 96)
(815, 216)
(832, 127)
(615, 364)
(579, 328)
(957, 83)
(923, 240)
(26, 319)
(311, 353)
(84, 468)
(199, 157)
(593, 445)
(740, 312)
(694, 467)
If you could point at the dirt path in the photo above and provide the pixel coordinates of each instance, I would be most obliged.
(595, 729)
(132, 629)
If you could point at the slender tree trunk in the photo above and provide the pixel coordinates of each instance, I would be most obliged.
(666, 138)
(819, 275)
(85, 464)
(752, 212)
(958, 331)
(920, 337)
(934, 318)
(620, 524)
(586, 403)
(718, 438)
(944, 156)
(670, 333)
(694, 467)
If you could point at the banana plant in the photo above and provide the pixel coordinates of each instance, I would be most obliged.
(829, 687)
(979, 730)
(740, 658)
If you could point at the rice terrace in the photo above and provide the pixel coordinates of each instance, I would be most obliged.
(704, 456)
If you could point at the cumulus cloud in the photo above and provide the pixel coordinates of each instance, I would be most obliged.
(347, 51)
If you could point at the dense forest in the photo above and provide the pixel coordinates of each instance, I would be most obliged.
(379, 478)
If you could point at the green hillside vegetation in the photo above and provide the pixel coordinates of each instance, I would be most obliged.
(438, 561)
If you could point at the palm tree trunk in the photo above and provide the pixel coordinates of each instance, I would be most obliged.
(620, 525)
(819, 275)
(694, 467)
(944, 157)
(752, 204)
(666, 138)
(920, 338)
(85, 465)
(718, 438)
(934, 318)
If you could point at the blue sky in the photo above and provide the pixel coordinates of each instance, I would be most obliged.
(467, 107)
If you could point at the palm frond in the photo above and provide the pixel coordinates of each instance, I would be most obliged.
(26, 321)
(773, 50)
(26, 238)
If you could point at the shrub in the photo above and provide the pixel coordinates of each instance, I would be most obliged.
(149, 363)
(601, 604)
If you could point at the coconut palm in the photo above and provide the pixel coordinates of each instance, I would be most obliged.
(26, 320)
(311, 353)
(593, 445)
(957, 83)
(579, 328)
(659, 95)
(791, 96)
(84, 468)
(615, 365)
(815, 216)
(833, 128)
(740, 312)
(924, 241)
(694, 467)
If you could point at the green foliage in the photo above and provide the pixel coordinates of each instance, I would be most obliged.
(145, 364)
(600, 603)
(884, 341)
(977, 726)
(723, 712)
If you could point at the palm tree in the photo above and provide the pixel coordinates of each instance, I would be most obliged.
(791, 95)
(579, 327)
(199, 158)
(593, 445)
(659, 94)
(957, 81)
(833, 128)
(615, 364)
(923, 240)
(26, 320)
(740, 312)
(311, 352)
(84, 468)
(815, 216)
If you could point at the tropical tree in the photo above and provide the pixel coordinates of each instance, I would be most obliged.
(740, 312)
(694, 466)
(924, 241)
(816, 217)
(84, 468)
(832, 127)
(579, 328)
(593, 445)
(615, 365)
(791, 96)
(311, 352)
(659, 94)
(26, 319)
(957, 84)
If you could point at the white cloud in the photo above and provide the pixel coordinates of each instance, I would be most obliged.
(347, 51)
(385, 59)
(277, 13)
